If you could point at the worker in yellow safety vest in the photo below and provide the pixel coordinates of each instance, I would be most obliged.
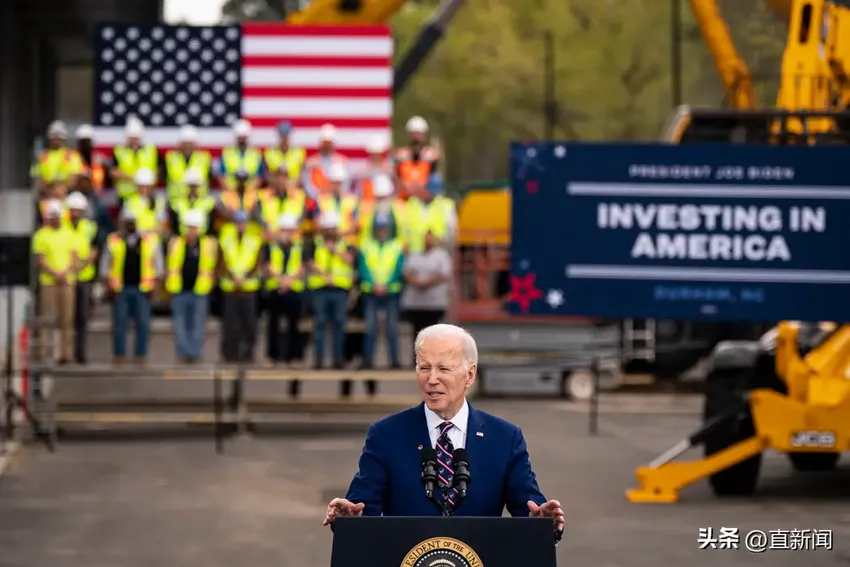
(283, 196)
(379, 164)
(90, 239)
(130, 158)
(240, 157)
(58, 165)
(336, 200)
(144, 204)
(386, 203)
(241, 259)
(381, 271)
(331, 278)
(434, 212)
(317, 168)
(132, 263)
(191, 266)
(56, 253)
(191, 201)
(284, 295)
(242, 197)
(188, 156)
(284, 155)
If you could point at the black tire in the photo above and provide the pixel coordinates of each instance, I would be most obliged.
(723, 390)
(813, 462)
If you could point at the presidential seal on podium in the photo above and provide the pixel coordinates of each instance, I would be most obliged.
(441, 552)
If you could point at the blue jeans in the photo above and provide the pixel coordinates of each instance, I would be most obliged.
(389, 305)
(330, 306)
(189, 311)
(131, 303)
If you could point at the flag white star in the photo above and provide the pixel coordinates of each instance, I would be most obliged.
(560, 152)
(524, 264)
(555, 298)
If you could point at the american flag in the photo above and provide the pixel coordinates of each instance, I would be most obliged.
(209, 77)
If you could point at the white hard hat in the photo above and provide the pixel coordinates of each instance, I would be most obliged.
(194, 218)
(76, 201)
(382, 186)
(377, 145)
(241, 128)
(193, 176)
(144, 177)
(329, 219)
(57, 129)
(54, 208)
(134, 128)
(188, 133)
(338, 172)
(85, 132)
(327, 133)
(416, 125)
(287, 222)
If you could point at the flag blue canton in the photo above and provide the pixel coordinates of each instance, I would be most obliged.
(167, 76)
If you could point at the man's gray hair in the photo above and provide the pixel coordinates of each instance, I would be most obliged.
(468, 346)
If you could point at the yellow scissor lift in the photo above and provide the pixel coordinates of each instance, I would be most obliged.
(791, 401)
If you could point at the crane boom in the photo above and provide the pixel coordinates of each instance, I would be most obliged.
(736, 76)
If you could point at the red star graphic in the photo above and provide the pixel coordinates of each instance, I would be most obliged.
(524, 291)
(532, 186)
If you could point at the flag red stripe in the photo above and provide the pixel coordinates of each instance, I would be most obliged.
(272, 122)
(216, 151)
(275, 29)
(329, 92)
(314, 61)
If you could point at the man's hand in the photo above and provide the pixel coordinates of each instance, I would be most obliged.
(341, 508)
(380, 290)
(551, 509)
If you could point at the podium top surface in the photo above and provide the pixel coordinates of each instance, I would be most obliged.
(443, 542)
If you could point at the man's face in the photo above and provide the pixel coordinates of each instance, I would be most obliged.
(187, 147)
(382, 232)
(417, 138)
(334, 186)
(144, 190)
(281, 180)
(130, 226)
(242, 141)
(285, 235)
(193, 190)
(283, 141)
(55, 141)
(134, 141)
(192, 232)
(327, 146)
(443, 378)
(53, 221)
(76, 214)
(241, 226)
(84, 144)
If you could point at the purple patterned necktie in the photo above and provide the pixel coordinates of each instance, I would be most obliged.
(445, 473)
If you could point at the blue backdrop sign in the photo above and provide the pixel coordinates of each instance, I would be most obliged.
(663, 231)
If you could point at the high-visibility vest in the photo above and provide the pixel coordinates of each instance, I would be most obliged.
(57, 247)
(366, 218)
(206, 265)
(318, 179)
(422, 217)
(277, 269)
(85, 231)
(233, 160)
(118, 253)
(274, 206)
(381, 259)
(146, 209)
(415, 171)
(346, 208)
(57, 164)
(129, 162)
(293, 158)
(341, 272)
(240, 259)
(366, 192)
(96, 173)
(176, 166)
(183, 204)
(232, 200)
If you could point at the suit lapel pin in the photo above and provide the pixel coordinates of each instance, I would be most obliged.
(419, 447)
(480, 434)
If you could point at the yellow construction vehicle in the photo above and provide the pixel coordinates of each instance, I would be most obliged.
(788, 391)
(345, 12)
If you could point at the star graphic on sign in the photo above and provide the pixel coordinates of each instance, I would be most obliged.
(524, 290)
(560, 152)
(555, 298)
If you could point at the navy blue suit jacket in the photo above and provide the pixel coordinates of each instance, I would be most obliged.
(389, 482)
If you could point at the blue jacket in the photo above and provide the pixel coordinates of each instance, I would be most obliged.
(388, 479)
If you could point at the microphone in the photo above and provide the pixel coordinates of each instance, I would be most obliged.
(429, 471)
(460, 460)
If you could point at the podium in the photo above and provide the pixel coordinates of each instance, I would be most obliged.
(442, 542)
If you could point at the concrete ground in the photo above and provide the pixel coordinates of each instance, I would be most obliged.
(172, 502)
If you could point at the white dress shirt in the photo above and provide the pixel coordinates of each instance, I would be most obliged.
(457, 434)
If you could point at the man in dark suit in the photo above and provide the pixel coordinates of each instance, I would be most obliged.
(388, 480)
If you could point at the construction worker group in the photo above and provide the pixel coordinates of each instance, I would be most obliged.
(273, 231)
